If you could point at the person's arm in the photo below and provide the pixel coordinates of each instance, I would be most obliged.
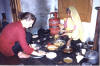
(70, 31)
(66, 32)
(26, 48)
(23, 43)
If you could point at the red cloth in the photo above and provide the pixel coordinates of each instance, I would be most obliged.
(13, 32)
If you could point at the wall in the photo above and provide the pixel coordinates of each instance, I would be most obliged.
(89, 28)
(83, 10)
(1, 8)
(5, 8)
(41, 9)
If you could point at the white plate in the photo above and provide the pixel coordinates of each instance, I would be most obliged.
(51, 55)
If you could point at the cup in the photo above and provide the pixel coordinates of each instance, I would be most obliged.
(83, 51)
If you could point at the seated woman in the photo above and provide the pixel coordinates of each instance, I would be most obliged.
(72, 24)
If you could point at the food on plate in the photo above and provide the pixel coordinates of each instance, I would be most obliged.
(51, 55)
(59, 43)
(52, 47)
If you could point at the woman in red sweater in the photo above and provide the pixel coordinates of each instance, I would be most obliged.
(15, 32)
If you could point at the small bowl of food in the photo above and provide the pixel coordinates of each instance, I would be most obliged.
(68, 60)
(52, 47)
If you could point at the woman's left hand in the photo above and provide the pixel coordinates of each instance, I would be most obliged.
(70, 31)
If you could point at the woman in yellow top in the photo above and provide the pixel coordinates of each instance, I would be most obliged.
(72, 24)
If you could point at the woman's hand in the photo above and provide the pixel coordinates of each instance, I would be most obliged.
(66, 32)
(69, 31)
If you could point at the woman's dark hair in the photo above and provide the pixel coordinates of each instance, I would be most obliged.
(27, 15)
(67, 10)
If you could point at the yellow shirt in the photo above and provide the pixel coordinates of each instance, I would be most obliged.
(75, 20)
(72, 26)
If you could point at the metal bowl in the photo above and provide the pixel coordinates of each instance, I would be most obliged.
(59, 42)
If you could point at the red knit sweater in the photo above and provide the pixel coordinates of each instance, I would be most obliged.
(11, 33)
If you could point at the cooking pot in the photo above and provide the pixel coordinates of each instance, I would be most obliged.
(92, 56)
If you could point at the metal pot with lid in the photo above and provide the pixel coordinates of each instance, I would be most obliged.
(92, 56)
